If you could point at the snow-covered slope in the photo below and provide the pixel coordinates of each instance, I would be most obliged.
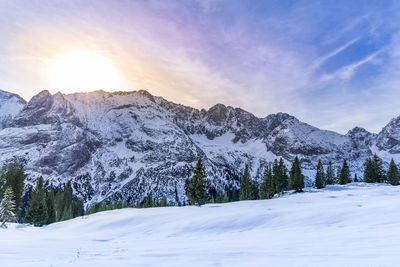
(123, 145)
(352, 225)
(10, 106)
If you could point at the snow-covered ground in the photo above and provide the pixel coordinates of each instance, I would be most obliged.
(352, 225)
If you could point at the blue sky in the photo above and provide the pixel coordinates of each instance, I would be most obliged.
(333, 64)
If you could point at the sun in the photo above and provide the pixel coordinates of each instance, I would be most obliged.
(84, 71)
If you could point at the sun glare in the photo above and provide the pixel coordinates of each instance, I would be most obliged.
(84, 71)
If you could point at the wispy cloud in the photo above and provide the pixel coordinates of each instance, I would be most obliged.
(321, 60)
(348, 71)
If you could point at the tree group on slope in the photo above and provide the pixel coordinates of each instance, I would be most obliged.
(37, 207)
(275, 181)
(373, 173)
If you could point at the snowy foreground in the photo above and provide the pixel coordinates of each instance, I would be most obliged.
(353, 225)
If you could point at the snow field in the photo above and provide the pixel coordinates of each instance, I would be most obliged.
(352, 225)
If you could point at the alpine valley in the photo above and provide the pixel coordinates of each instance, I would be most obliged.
(123, 145)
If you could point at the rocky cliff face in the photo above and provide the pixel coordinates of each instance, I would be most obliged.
(123, 145)
(10, 106)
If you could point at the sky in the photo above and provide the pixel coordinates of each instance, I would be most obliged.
(332, 64)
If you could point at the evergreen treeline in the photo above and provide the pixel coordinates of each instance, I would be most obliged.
(275, 181)
(373, 173)
(103, 206)
(59, 204)
(41, 207)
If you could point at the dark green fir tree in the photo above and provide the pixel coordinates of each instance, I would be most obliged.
(373, 172)
(51, 213)
(13, 176)
(248, 188)
(267, 189)
(330, 174)
(197, 190)
(344, 176)
(36, 212)
(393, 176)
(148, 201)
(320, 181)
(296, 179)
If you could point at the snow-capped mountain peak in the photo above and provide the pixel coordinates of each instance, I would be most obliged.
(123, 145)
(10, 105)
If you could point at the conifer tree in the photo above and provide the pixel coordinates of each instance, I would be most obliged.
(148, 201)
(67, 212)
(320, 176)
(267, 189)
(125, 204)
(284, 179)
(393, 176)
(7, 207)
(378, 166)
(344, 177)
(164, 202)
(355, 178)
(280, 177)
(36, 212)
(77, 207)
(263, 193)
(197, 187)
(248, 189)
(373, 172)
(330, 174)
(296, 180)
(51, 213)
(235, 195)
(226, 198)
(13, 176)
(276, 177)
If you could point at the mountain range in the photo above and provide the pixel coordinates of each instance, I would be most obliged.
(123, 145)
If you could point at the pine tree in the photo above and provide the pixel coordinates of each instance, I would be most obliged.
(378, 166)
(197, 187)
(355, 178)
(280, 177)
(7, 207)
(393, 176)
(267, 189)
(67, 211)
(320, 176)
(51, 213)
(78, 208)
(164, 202)
(296, 180)
(235, 195)
(263, 193)
(330, 175)
(36, 212)
(276, 177)
(248, 189)
(13, 176)
(373, 172)
(344, 177)
(148, 201)
(226, 198)
(283, 177)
